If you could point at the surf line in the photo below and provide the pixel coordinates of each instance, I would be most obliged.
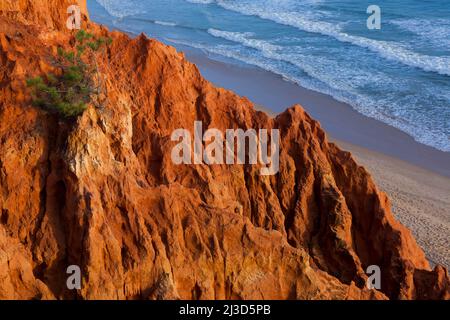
(234, 141)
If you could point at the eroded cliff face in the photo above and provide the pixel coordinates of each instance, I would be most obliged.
(103, 193)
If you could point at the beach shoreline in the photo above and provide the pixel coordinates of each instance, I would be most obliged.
(413, 175)
(273, 94)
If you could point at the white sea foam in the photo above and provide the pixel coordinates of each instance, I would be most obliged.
(435, 31)
(120, 8)
(244, 38)
(412, 106)
(321, 79)
(165, 23)
(201, 1)
(273, 11)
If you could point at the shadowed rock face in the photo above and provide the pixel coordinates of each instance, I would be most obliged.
(104, 194)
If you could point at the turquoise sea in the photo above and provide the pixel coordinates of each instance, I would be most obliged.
(399, 74)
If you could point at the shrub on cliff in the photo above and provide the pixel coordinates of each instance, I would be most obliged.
(69, 92)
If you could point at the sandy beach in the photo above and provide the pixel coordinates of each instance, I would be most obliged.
(419, 199)
(416, 177)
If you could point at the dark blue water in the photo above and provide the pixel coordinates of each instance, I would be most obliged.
(399, 74)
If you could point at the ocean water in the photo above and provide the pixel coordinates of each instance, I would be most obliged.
(399, 74)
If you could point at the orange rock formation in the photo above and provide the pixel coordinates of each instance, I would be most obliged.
(103, 193)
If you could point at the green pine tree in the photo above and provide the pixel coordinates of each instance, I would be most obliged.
(69, 93)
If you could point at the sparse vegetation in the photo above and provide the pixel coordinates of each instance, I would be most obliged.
(68, 92)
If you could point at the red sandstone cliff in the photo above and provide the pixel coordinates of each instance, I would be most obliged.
(104, 194)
